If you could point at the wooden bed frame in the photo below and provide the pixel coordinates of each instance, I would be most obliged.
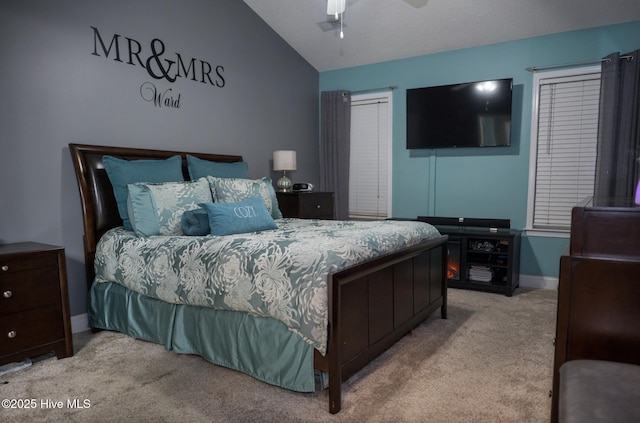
(371, 305)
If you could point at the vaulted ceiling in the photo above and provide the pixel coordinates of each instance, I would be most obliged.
(381, 30)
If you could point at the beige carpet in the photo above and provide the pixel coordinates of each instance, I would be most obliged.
(490, 361)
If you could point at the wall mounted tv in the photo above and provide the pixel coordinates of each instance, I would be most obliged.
(471, 114)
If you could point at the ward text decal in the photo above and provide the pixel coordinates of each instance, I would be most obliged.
(162, 66)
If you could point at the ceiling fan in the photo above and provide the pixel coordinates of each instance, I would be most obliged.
(336, 8)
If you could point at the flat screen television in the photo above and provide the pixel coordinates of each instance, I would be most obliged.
(471, 114)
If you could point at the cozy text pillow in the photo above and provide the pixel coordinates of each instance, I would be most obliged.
(249, 215)
(228, 190)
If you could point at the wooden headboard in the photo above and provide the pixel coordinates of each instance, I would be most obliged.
(99, 209)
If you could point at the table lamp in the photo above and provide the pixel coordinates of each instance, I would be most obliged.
(284, 160)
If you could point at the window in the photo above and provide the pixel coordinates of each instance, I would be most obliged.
(370, 156)
(564, 133)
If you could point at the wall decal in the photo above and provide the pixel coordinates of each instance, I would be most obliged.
(150, 93)
(159, 65)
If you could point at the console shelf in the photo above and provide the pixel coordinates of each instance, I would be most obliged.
(485, 257)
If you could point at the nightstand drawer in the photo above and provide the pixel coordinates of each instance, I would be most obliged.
(317, 206)
(28, 290)
(18, 264)
(306, 205)
(21, 331)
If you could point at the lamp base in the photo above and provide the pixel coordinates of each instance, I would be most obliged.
(284, 184)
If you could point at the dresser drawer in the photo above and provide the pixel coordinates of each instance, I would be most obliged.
(20, 291)
(20, 263)
(21, 331)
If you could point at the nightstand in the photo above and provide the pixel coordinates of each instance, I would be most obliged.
(34, 302)
(306, 205)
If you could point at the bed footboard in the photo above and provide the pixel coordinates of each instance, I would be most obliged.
(375, 304)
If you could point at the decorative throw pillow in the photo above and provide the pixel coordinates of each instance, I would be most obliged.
(157, 209)
(123, 172)
(228, 190)
(244, 216)
(200, 168)
(196, 222)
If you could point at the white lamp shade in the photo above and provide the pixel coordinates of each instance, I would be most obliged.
(284, 160)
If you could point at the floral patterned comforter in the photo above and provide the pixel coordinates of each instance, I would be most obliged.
(278, 273)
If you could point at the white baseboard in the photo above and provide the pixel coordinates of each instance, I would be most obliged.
(540, 282)
(80, 323)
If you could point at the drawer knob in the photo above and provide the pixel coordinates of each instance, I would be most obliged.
(7, 294)
(317, 206)
(12, 334)
(5, 268)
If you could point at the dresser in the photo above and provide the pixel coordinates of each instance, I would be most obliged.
(34, 302)
(306, 205)
(598, 316)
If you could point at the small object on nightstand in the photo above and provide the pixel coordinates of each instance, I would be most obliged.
(302, 187)
(306, 205)
(34, 305)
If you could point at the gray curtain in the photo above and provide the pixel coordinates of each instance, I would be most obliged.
(617, 167)
(334, 157)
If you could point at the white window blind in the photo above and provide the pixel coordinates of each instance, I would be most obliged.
(370, 157)
(566, 147)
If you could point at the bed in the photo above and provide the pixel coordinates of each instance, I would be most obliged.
(365, 304)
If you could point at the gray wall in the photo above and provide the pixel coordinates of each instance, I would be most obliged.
(55, 91)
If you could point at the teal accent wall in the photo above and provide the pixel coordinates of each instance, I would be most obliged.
(489, 182)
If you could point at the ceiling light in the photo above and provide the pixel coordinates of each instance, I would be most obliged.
(335, 8)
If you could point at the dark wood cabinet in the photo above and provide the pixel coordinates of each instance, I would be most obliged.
(306, 205)
(34, 302)
(598, 316)
(481, 258)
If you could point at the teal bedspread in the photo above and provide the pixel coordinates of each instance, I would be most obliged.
(277, 273)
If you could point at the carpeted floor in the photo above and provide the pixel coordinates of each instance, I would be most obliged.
(490, 361)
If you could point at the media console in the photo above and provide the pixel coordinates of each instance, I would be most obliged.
(484, 254)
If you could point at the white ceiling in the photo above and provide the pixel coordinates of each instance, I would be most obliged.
(381, 30)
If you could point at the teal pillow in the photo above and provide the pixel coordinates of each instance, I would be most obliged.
(196, 222)
(199, 168)
(228, 190)
(123, 172)
(157, 209)
(240, 217)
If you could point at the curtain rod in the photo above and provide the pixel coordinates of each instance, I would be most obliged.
(588, 62)
(390, 87)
